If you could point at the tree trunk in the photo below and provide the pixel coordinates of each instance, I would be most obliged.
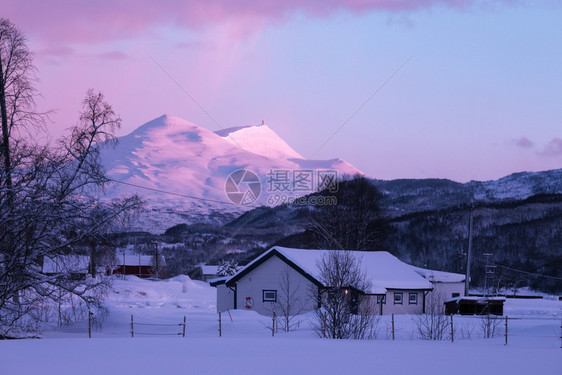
(5, 130)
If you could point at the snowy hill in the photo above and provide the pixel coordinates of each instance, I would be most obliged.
(173, 155)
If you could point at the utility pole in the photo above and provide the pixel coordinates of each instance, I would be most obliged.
(468, 256)
(489, 274)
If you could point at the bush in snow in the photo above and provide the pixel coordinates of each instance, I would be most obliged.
(433, 324)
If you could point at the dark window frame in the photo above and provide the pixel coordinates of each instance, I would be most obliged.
(410, 295)
(396, 294)
(264, 291)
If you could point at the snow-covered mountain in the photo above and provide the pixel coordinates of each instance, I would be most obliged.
(170, 155)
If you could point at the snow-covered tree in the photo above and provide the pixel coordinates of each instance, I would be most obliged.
(227, 268)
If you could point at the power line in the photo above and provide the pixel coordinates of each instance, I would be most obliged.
(361, 106)
(195, 102)
(521, 271)
(177, 194)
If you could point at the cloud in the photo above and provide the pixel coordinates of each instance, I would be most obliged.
(524, 142)
(553, 148)
(86, 21)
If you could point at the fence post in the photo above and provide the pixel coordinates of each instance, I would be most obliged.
(506, 330)
(183, 333)
(132, 327)
(392, 326)
(220, 325)
(452, 330)
(89, 324)
(273, 325)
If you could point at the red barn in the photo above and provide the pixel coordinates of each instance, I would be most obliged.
(140, 265)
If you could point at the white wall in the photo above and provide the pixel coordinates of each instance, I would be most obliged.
(406, 307)
(268, 276)
(225, 298)
(446, 290)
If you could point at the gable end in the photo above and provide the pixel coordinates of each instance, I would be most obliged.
(231, 282)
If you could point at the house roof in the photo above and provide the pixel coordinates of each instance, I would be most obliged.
(66, 263)
(219, 280)
(136, 260)
(383, 270)
(439, 276)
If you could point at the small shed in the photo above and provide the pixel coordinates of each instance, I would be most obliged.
(471, 305)
(205, 272)
(143, 266)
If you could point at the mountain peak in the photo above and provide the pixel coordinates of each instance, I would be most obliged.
(163, 122)
(259, 139)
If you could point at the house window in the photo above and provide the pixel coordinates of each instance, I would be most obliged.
(397, 298)
(269, 295)
(456, 295)
(413, 299)
(381, 299)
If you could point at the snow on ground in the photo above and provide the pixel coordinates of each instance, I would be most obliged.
(247, 347)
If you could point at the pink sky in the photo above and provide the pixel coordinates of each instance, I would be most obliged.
(479, 99)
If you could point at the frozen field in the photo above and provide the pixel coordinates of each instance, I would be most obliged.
(246, 345)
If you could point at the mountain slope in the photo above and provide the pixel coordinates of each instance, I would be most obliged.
(173, 155)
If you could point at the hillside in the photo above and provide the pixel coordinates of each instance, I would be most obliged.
(517, 219)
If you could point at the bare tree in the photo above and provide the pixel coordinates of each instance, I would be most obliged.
(490, 325)
(17, 94)
(158, 262)
(48, 208)
(354, 223)
(433, 324)
(289, 301)
(346, 312)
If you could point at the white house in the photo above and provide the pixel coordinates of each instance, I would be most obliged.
(77, 266)
(395, 286)
(446, 285)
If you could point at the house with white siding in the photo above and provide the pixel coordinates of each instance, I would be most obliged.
(395, 287)
(77, 266)
(446, 285)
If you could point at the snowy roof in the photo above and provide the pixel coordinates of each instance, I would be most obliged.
(218, 280)
(66, 263)
(439, 276)
(383, 269)
(139, 260)
(209, 269)
(475, 299)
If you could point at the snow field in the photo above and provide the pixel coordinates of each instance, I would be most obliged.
(247, 347)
